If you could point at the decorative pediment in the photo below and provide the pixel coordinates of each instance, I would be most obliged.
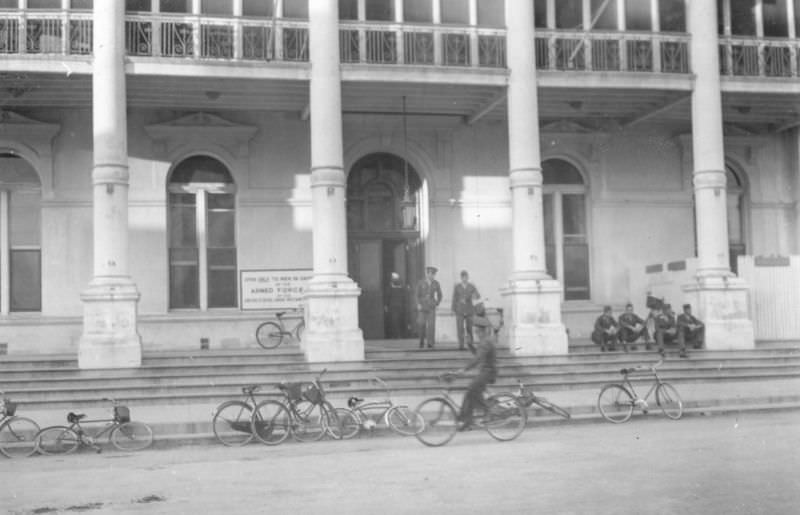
(203, 128)
(22, 127)
(567, 127)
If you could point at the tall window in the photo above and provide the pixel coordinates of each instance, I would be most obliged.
(202, 235)
(735, 203)
(20, 236)
(566, 239)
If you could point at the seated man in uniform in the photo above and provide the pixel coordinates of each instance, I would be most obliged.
(666, 327)
(605, 330)
(632, 327)
(690, 330)
(486, 361)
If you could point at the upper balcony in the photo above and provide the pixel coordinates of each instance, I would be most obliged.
(159, 43)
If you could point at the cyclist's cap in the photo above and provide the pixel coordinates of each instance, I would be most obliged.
(606, 308)
(431, 269)
(687, 306)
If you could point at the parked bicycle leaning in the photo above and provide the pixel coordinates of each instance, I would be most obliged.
(361, 414)
(123, 433)
(17, 434)
(272, 333)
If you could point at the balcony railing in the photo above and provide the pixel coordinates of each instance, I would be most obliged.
(410, 44)
(44, 32)
(612, 51)
(750, 57)
(237, 39)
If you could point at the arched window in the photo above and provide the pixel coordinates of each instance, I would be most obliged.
(202, 235)
(20, 236)
(566, 239)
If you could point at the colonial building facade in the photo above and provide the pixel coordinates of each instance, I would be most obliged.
(172, 171)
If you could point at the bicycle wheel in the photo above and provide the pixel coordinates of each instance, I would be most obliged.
(298, 331)
(347, 424)
(270, 422)
(57, 440)
(309, 422)
(132, 436)
(667, 397)
(615, 403)
(553, 408)
(402, 420)
(505, 419)
(269, 335)
(18, 437)
(440, 422)
(231, 423)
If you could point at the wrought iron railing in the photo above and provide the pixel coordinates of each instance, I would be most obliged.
(45, 32)
(612, 51)
(417, 44)
(751, 57)
(236, 39)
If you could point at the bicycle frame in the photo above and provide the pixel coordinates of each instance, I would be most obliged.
(293, 333)
(626, 382)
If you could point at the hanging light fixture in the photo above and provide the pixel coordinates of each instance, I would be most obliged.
(408, 208)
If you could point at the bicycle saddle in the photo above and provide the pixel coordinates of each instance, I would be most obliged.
(250, 389)
(280, 314)
(352, 402)
(74, 417)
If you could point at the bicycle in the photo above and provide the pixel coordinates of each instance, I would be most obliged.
(17, 434)
(124, 433)
(617, 400)
(270, 334)
(367, 415)
(231, 419)
(305, 415)
(504, 418)
(527, 398)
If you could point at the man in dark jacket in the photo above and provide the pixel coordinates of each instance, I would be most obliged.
(605, 330)
(428, 294)
(632, 327)
(486, 362)
(690, 330)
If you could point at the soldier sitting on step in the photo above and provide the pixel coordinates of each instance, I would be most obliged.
(632, 327)
(606, 331)
(690, 330)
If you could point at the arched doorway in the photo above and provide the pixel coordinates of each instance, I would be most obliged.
(20, 236)
(383, 237)
(565, 227)
(202, 235)
(737, 245)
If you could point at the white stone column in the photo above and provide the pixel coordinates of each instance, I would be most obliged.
(717, 296)
(535, 298)
(110, 337)
(332, 332)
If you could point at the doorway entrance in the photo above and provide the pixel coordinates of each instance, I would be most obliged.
(383, 238)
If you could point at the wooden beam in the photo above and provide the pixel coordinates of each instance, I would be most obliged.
(788, 125)
(498, 99)
(655, 112)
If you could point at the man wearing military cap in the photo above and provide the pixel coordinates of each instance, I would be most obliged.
(429, 295)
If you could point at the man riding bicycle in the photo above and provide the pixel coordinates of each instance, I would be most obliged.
(486, 362)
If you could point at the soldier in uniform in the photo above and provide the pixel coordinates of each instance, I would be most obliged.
(632, 327)
(428, 294)
(690, 330)
(463, 295)
(605, 330)
(666, 329)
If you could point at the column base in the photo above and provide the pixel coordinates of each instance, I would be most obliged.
(535, 328)
(332, 332)
(721, 303)
(110, 338)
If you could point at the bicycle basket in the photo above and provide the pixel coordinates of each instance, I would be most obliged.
(122, 414)
(313, 394)
(9, 407)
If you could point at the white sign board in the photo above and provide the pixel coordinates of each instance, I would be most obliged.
(273, 289)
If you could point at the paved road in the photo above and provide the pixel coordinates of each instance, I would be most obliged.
(748, 464)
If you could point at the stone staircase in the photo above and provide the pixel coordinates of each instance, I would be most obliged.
(176, 392)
